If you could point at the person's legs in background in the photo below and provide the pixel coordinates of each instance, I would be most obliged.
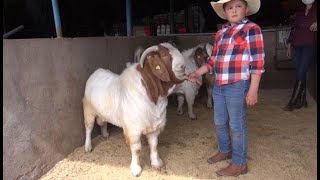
(297, 59)
(307, 57)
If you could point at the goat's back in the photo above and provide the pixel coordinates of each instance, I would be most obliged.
(99, 82)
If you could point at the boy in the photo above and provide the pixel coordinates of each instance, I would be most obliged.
(238, 62)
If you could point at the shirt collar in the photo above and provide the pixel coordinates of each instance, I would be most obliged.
(243, 21)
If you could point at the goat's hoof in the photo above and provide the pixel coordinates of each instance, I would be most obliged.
(157, 164)
(105, 135)
(193, 117)
(180, 112)
(136, 170)
(88, 148)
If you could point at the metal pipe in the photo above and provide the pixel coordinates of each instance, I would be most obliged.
(56, 15)
(13, 31)
(128, 13)
(209, 34)
(171, 16)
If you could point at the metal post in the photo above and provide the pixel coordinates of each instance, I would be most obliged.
(171, 16)
(56, 15)
(13, 31)
(128, 13)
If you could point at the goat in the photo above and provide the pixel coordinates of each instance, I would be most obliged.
(187, 89)
(201, 55)
(135, 100)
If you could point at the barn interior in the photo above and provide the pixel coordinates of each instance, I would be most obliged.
(47, 58)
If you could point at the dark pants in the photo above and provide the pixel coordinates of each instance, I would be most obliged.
(303, 56)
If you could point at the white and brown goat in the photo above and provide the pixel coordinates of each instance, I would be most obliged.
(195, 57)
(136, 100)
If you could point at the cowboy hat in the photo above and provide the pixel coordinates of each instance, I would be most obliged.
(253, 6)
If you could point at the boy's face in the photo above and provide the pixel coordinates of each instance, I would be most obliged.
(235, 10)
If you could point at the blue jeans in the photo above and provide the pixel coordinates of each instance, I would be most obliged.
(230, 114)
(302, 57)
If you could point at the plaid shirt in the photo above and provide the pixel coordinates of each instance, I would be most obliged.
(237, 52)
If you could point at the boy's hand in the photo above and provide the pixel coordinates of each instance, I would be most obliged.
(193, 76)
(252, 98)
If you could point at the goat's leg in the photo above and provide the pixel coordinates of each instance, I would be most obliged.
(190, 96)
(104, 130)
(135, 145)
(209, 94)
(156, 162)
(180, 98)
(89, 117)
(103, 127)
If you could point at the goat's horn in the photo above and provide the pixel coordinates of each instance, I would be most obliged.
(144, 54)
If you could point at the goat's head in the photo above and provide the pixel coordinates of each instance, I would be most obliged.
(161, 67)
(201, 54)
(165, 61)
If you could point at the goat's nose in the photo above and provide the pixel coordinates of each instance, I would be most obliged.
(183, 67)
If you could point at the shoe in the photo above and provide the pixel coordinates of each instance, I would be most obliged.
(295, 97)
(302, 102)
(233, 170)
(219, 157)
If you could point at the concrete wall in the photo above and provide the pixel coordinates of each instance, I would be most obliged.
(44, 82)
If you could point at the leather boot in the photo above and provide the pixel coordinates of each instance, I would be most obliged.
(233, 170)
(219, 157)
(295, 97)
(303, 97)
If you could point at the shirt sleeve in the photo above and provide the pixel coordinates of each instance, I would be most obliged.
(212, 59)
(256, 50)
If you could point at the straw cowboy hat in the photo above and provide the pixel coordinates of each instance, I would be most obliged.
(253, 6)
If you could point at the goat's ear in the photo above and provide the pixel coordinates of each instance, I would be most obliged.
(198, 53)
(158, 67)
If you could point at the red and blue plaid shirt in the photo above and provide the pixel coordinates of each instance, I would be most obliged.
(238, 51)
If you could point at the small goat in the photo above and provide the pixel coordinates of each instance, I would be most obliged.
(135, 100)
(201, 54)
(188, 90)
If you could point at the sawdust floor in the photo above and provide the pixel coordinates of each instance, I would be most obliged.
(282, 145)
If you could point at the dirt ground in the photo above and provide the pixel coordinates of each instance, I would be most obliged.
(282, 146)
